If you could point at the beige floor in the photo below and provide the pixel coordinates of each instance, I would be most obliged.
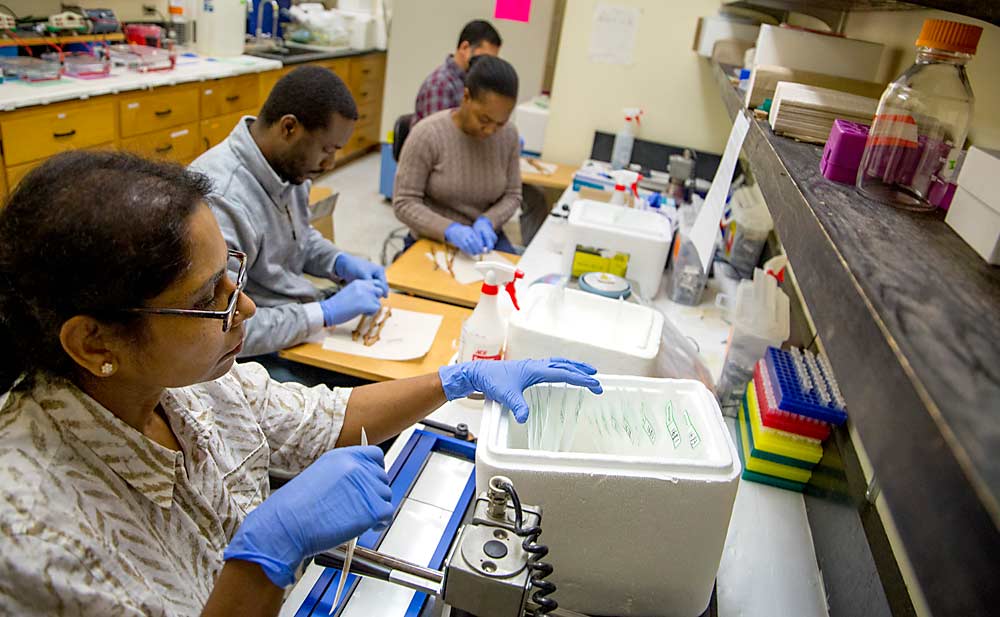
(363, 218)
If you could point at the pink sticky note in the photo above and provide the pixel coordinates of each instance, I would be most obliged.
(514, 10)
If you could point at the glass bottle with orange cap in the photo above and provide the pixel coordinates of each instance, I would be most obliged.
(923, 117)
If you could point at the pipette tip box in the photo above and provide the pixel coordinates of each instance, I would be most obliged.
(773, 417)
(804, 384)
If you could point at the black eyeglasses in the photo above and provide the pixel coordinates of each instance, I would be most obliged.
(237, 260)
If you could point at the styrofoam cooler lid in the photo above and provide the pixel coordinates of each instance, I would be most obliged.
(605, 216)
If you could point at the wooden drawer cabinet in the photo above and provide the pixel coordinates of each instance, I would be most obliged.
(367, 71)
(225, 96)
(214, 130)
(158, 110)
(179, 144)
(368, 114)
(34, 135)
(340, 66)
(16, 173)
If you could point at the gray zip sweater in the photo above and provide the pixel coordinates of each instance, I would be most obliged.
(268, 219)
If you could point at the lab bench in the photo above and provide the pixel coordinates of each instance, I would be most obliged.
(175, 115)
(768, 526)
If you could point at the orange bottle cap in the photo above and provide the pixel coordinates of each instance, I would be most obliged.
(949, 36)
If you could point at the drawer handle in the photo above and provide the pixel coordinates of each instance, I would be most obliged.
(232, 98)
(165, 149)
(164, 112)
(364, 94)
(366, 71)
(68, 133)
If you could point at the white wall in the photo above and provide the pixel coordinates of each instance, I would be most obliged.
(898, 30)
(670, 82)
(424, 32)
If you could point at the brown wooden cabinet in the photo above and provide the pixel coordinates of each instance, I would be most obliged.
(177, 123)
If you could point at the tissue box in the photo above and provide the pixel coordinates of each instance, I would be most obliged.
(817, 52)
(636, 502)
(975, 209)
(843, 150)
(612, 335)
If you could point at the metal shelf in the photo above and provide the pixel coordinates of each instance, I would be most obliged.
(831, 11)
(910, 319)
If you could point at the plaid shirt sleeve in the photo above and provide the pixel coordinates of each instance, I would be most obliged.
(439, 91)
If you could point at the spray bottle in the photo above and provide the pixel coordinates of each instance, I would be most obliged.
(621, 152)
(483, 333)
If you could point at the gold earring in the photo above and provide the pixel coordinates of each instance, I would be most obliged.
(107, 368)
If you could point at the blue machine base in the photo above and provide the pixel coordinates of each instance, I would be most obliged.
(402, 476)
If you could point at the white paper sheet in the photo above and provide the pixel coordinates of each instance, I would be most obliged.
(612, 39)
(464, 266)
(706, 226)
(406, 335)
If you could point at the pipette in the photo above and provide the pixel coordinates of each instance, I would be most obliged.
(350, 550)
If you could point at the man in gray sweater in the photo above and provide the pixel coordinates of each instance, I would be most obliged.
(261, 175)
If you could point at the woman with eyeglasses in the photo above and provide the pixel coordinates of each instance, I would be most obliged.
(136, 453)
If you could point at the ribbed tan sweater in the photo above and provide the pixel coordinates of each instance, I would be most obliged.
(445, 176)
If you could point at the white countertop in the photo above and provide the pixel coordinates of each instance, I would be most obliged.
(16, 94)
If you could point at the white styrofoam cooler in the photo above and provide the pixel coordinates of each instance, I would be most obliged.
(635, 524)
(612, 335)
(644, 236)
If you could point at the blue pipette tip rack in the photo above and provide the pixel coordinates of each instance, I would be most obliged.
(794, 396)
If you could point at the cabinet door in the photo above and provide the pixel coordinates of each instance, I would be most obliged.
(178, 144)
(226, 96)
(214, 130)
(158, 110)
(34, 135)
(368, 72)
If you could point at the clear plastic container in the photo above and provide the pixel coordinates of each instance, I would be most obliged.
(922, 119)
(759, 315)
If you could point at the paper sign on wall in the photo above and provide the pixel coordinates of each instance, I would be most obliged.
(514, 10)
(612, 39)
(706, 226)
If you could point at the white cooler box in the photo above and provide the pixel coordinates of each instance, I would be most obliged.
(615, 336)
(637, 488)
(604, 237)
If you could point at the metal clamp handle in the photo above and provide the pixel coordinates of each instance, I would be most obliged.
(164, 112)
(68, 133)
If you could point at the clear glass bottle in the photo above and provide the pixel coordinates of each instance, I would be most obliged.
(922, 119)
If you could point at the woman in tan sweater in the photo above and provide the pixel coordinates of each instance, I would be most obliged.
(459, 178)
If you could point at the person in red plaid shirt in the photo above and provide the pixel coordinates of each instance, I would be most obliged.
(443, 88)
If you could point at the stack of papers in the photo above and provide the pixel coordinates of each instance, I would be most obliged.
(807, 112)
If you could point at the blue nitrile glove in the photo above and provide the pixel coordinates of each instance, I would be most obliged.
(351, 268)
(505, 382)
(484, 227)
(356, 298)
(465, 238)
(340, 496)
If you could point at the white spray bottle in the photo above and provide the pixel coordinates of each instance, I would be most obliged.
(483, 333)
(621, 150)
